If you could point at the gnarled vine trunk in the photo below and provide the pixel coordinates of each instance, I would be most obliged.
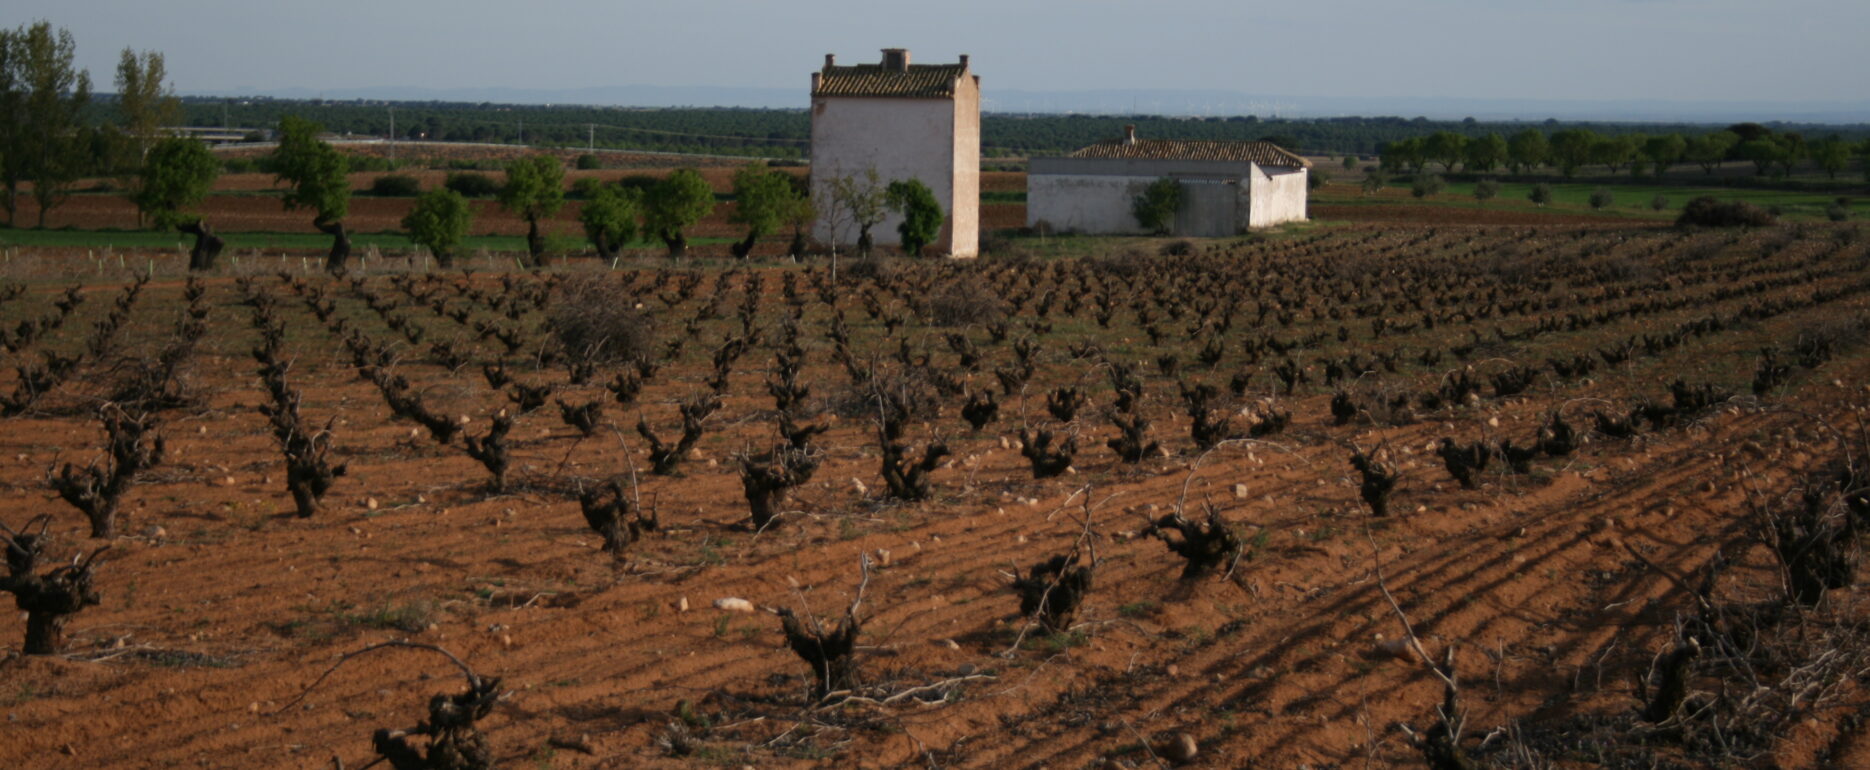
(340, 244)
(207, 245)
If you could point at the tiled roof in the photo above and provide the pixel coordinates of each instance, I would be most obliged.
(921, 81)
(1263, 153)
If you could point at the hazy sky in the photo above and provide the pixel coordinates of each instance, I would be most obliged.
(1689, 50)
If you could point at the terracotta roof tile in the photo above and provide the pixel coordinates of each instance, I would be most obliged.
(921, 81)
(1263, 153)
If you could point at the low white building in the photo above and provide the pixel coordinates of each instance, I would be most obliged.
(905, 121)
(1227, 187)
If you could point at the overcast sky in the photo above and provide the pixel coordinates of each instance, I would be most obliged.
(1690, 50)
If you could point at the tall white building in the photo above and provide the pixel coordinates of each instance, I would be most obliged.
(906, 121)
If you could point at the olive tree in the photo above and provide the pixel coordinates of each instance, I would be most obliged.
(922, 214)
(439, 222)
(1155, 208)
(318, 175)
(675, 204)
(534, 190)
(176, 176)
(609, 217)
(763, 201)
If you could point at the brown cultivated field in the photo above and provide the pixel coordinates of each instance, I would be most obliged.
(1620, 476)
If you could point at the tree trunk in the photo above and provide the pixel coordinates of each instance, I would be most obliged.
(744, 249)
(207, 245)
(796, 249)
(340, 245)
(44, 632)
(864, 242)
(677, 243)
(535, 243)
(605, 249)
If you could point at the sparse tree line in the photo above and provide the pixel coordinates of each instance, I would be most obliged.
(1570, 150)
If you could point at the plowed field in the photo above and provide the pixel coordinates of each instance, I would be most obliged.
(221, 609)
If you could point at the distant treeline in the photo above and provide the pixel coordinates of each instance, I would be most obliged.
(786, 133)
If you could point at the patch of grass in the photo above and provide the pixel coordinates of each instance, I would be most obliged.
(1057, 642)
(1137, 609)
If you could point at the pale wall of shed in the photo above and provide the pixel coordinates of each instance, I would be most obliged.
(1094, 204)
(1276, 196)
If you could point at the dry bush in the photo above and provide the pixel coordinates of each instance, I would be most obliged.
(596, 317)
(1708, 212)
(964, 303)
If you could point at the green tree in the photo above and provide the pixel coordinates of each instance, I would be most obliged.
(145, 103)
(319, 179)
(1527, 150)
(1487, 153)
(1710, 150)
(176, 176)
(1446, 148)
(675, 204)
(1764, 153)
(609, 217)
(1832, 155)
(1403, 155)
(1540, 194)
(1664, 151)
(1572, 148)
(439, 222)
(534, 190)
(42, 103)
(801, 215)
(1350, 162)
(1615, 152)
(1155, 208)
(922, 214)
(764, 199)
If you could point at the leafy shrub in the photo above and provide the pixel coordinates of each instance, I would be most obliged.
(1839, 211)
(1181, 248)
(964, 303)
(472, 184)
(1659, 202)
(1426, 185)
(1540, 194)
(1601, 198)
(1485, 189)
(396, 186)
(588, 162)
(594, 314)
(1706, 211)
(240, 165)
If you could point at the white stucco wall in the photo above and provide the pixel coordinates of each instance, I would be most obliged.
(1098, 201)
(1093, 204)
(1277, 196)
(901, 139)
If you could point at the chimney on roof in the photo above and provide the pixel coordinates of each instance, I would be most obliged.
(963, 61)
(1129, 134)
(831, 60)
(896, 59)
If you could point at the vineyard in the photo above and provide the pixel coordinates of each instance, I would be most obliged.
(1456, 497)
